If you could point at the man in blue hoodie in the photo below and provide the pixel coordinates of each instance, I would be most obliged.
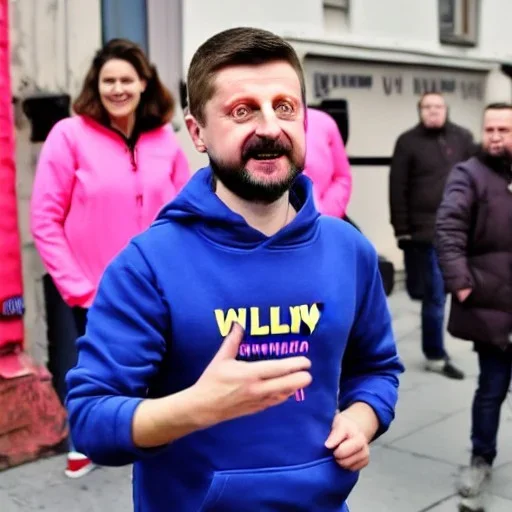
(228, 354)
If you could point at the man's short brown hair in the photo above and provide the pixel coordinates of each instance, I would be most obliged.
(156, 106)
(430, 93)
(234, 47)
(498, 106)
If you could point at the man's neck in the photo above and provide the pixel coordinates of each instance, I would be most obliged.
(434, 130)
(266, 218)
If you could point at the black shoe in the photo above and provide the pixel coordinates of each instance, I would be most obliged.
(446, 368)
(463, 507)
(452, 372)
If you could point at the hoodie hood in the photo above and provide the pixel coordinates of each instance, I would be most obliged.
(198, 205)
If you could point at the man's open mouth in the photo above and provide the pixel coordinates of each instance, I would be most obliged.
(266, 156)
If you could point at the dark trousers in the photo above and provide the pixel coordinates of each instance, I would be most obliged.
(64, 326)
(413, 263)
(80, 318)
(493, 386)
(432, 305)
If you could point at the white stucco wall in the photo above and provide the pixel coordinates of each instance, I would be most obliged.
(393, 41)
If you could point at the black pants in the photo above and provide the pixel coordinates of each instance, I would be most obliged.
(493, 386)
(414, 270)
(64, 326)
(80, 317)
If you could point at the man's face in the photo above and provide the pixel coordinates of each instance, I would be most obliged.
(497, 132)
(433, 111)
(254, 131)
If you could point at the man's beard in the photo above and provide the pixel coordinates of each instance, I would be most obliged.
(237, 179)
(498, 161)
(503, 154)
(438, 127)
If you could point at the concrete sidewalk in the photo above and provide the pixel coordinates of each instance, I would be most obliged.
(413, 466)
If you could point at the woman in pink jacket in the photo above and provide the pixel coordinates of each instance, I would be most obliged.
(101, 179)
(327, 164)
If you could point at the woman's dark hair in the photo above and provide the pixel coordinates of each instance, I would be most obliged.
(156, 106)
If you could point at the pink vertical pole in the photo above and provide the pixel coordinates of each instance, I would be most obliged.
(11, 284)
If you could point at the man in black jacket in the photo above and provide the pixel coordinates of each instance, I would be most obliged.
(422, 159)
(474, 243)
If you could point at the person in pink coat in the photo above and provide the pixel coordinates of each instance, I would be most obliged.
(102, 177)
(327, 164)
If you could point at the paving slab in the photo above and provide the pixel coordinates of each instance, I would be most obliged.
(401, 482)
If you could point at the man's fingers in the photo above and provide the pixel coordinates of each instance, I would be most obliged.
(336, 437)
(231, 344)
(356, 462)
(338, 433)
(278, 367)
(285, 385)
(348, 448)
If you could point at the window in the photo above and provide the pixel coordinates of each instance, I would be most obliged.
(336, 16)
(337, 4)
(458, 22)
(121, 20)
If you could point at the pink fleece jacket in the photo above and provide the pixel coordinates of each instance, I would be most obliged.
(92, 194)
(327, 164)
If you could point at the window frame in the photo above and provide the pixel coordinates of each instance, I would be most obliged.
(119, 20)
(343, 5)
(463, 28)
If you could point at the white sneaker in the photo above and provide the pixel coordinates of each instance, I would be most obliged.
(78, 465)
(472, 478)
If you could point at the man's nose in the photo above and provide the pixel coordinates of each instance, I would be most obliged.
(268, 124)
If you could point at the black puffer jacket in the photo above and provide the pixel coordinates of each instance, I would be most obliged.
(474, 244)
(422, 160)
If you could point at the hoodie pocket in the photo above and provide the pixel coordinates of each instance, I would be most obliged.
(320, 485)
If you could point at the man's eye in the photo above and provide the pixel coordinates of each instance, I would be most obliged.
(285, 108)
(240, 112)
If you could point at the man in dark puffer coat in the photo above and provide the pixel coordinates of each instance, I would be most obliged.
(422, 160)
(474, 245)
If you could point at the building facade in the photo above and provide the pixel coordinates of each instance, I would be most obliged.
(379, 56)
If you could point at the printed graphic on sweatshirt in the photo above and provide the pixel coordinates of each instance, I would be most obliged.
(272, 333)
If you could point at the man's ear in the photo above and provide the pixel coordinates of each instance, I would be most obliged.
(196, 133)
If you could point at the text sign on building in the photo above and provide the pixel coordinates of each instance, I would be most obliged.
(382, 98)
(394, 83)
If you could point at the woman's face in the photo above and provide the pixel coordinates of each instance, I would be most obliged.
(120, 88)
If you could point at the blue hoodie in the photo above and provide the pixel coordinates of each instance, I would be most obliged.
(162, 310)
